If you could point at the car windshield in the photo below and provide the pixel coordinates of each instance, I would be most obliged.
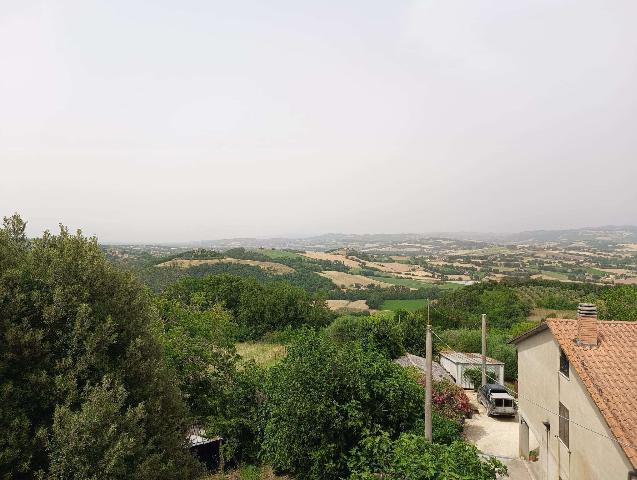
(498, 390)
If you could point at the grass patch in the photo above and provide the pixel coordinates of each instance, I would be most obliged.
(409, 305)
(263, 353)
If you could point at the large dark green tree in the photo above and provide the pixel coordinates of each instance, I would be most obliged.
(223, 395)
(257, 308)
(84, 388)
(322, 398)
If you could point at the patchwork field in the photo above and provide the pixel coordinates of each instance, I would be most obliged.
(332, 257)
(393, 267)
(347, 280)
(409, 282)
(348, 305)
(273, 267)
(545, 275)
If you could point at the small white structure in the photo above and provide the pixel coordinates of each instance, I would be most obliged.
(456, 363)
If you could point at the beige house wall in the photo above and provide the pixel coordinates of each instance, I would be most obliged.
(541, 389)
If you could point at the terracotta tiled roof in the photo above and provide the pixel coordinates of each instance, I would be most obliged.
(609, 372)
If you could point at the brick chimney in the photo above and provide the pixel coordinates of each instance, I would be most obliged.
(587, 327)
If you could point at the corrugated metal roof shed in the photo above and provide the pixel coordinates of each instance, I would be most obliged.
(469, 358)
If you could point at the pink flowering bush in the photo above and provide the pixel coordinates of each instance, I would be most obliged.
(449, 399)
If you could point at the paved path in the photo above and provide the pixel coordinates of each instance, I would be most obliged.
(497, 437)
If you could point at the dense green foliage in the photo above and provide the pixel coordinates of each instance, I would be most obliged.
(414, 458)
(321, 400)
(160, 278)
(257, 307)
(463, 307)
(616, 302)
(325, 398)
(199, 345)
(81, 377)
(376, 296)
(193, 341)
(392, 333)
(380, 332)
(474, 376)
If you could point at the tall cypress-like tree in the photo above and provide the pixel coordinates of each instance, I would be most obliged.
(84, 388)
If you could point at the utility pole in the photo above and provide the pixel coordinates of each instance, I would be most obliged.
(428, 380)
(484, 349)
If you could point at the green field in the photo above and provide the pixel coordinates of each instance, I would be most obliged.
(596, 271)
(409, 305)
(556, 275)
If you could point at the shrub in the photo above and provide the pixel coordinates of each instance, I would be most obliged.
(414, 328)
(473, 375)
(257, 308)
(450, 400)
(413, 457)
(379, 331)
(444, 430)
(519, 328)
(322, 398)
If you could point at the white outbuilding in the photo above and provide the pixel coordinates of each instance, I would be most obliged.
(456, 363)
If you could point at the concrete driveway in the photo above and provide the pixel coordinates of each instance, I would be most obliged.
(496, 437)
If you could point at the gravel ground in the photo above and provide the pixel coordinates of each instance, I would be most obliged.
(498, 437)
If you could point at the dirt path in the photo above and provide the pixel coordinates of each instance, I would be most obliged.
(496, 437)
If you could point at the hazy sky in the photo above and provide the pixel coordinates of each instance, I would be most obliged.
(169, 121)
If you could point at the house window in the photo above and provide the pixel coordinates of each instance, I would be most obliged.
(563, 363)
(564, 424)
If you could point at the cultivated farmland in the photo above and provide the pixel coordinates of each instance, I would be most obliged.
(347, 280)
(271, 267)
(348, 305)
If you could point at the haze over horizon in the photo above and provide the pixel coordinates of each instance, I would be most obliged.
(154, 122)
